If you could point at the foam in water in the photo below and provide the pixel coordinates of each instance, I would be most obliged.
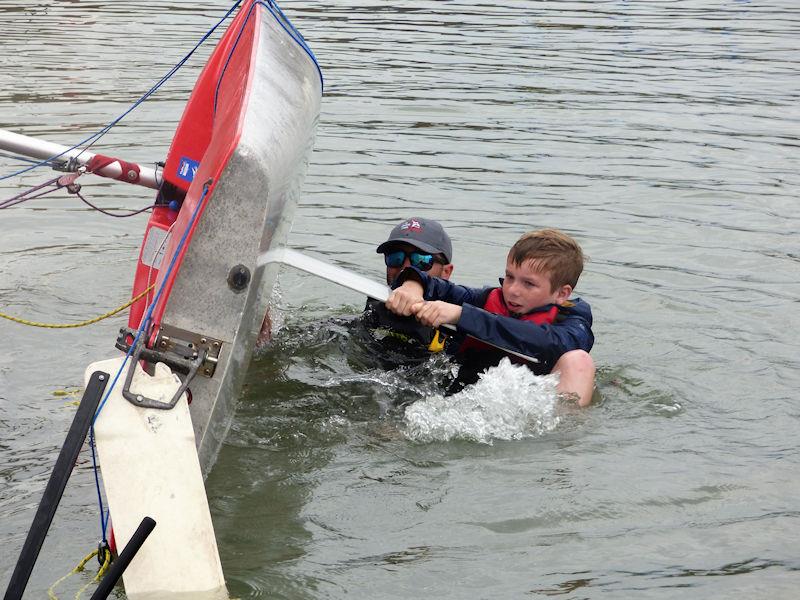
(509, 402)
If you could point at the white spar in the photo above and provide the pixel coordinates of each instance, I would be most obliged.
(41, 150)
(350, 280)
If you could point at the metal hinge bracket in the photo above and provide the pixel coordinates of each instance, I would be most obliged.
(185, 352)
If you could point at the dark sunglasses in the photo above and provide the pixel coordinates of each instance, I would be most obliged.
(421, 260)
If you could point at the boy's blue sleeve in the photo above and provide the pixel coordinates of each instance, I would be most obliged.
(573, 331)
(441, 289)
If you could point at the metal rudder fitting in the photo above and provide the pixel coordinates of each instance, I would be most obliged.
(185, 352)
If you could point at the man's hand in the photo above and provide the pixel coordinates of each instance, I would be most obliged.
(436, 313)
(402, 300)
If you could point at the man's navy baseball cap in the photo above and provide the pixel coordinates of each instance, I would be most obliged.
(427, 235)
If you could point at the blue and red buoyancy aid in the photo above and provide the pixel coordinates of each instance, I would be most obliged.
(495, 304)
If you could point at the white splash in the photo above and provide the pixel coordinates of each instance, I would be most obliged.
(508, 403)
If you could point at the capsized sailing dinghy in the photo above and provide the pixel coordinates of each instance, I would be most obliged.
(233, 172)
(230, 185)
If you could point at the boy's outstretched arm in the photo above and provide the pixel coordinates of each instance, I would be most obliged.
(434, 288)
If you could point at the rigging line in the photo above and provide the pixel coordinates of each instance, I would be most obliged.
(22, 158)
(132, 213)
(23, 197)
(92, 139)
(103, 522)
(16, 200)
(230, 55)
(160, 82)
(283, 21)
(91, 321)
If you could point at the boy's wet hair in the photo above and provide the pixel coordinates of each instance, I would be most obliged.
(553, 251)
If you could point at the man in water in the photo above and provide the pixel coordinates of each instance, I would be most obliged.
(423, 244)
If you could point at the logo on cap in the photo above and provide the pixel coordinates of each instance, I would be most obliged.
(411, 224)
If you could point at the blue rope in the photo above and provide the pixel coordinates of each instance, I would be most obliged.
(92, 139)
(24, 159)
(142, 328)
(103, 522)
(283, 21)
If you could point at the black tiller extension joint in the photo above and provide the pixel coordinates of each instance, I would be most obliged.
(124, 559)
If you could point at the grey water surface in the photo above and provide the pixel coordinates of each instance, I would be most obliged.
(662, 135)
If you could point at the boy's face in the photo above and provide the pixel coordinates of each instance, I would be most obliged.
(525, 287)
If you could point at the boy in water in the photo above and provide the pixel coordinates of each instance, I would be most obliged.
(530, 313)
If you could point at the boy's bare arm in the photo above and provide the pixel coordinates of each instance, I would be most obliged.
(403, 300)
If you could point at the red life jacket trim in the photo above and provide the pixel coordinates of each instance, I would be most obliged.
(495, 304)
